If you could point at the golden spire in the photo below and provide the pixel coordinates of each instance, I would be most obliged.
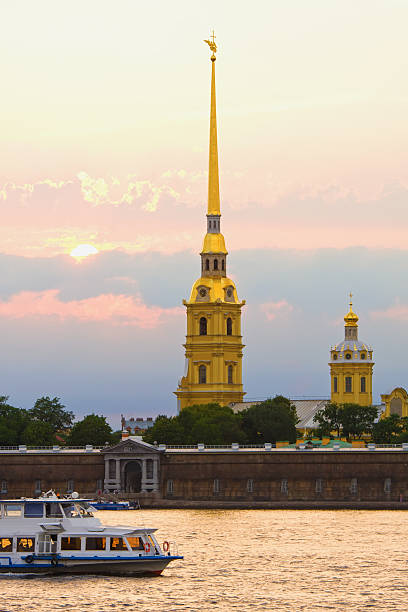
(213, 180)
(351, 318)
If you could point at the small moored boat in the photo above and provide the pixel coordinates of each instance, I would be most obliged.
(54, 535)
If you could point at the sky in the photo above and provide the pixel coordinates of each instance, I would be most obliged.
(104, 141)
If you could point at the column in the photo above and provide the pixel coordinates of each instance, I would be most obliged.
(118, 483)
(105, 484)
(144, 474)
(155, 475)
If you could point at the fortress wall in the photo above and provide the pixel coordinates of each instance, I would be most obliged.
(310, 476)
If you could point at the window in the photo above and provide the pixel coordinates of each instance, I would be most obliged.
(353, 486)
(203, 326)
(135, 543)
(25, 544)
(149, 469)
(230, 375)
(319, 485)
(33, 510)
(6, 545)
(99, 484)
(4, 487)
(216, 486)
(118, 544)
(363, 356)
(229, 326)
(70, 543)
(387, 485)
(95, 544)
(215, 264)
(70, 486)
(12, 510)
(202, 375)
(348, 384)
(250, 485)
(223, 265)
(170, 487)
(362, 384)
(334, 356)
(38, 486)
(335, 384)
(348, 355)
(207, 264)
(284, 486)
(53, 510)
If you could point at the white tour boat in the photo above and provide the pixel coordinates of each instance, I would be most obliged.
(57, 535)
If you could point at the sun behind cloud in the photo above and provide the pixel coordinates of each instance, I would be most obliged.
(83, 250)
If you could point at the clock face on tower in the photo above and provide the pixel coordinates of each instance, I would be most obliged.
(203, 292)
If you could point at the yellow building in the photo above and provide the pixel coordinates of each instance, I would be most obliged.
(213, 371)
(351, 366)
(395, 402)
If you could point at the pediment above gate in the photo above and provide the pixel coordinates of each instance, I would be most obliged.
(131, 447)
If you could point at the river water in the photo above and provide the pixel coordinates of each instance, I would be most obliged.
(244, 560)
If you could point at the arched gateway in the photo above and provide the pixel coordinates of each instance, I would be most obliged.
(132, 466)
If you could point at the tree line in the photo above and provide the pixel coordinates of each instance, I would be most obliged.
(269, 421)
(48, 423)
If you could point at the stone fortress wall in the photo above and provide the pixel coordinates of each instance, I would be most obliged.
(183, 477)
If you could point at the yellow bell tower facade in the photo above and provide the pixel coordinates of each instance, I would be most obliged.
(213, 370)
(351, 366)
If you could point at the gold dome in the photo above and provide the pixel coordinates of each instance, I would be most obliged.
(214, 243)
(217, 287)
(351, 318)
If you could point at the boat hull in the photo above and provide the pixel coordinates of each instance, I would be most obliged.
(111, 567)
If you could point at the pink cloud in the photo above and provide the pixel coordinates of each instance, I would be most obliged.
(117, 309)
(398, 312)
(272, 310)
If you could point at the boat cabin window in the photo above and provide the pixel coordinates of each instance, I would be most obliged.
(53, 510)
(135, 543)
(25, 544)
(6, 545)
(70, 543)
(76, 510)
(33, 510)
(95, 544)
(118, 544)
(12, 510)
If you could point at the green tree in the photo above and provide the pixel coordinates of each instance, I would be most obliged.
(13, 422)
(388, 430)
(272, 420)
(38, 433)
(329, 419)
(205, 423)
(166, 430)
(357, 420)
(52, 412)
(93, 429)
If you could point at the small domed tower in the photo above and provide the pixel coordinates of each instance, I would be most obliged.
(351, 366)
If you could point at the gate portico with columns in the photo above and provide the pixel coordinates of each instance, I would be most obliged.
(132, 466)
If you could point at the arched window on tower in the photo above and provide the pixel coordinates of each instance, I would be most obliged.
(223, 265)
(203, 326)
(202, 375)
(207, 264)
(229, 326)
(215, 264)
(230, 375)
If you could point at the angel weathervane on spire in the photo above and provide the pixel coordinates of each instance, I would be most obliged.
(212, 45)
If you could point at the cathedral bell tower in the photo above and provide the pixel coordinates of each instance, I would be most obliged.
(351, 366)
(213, 370)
